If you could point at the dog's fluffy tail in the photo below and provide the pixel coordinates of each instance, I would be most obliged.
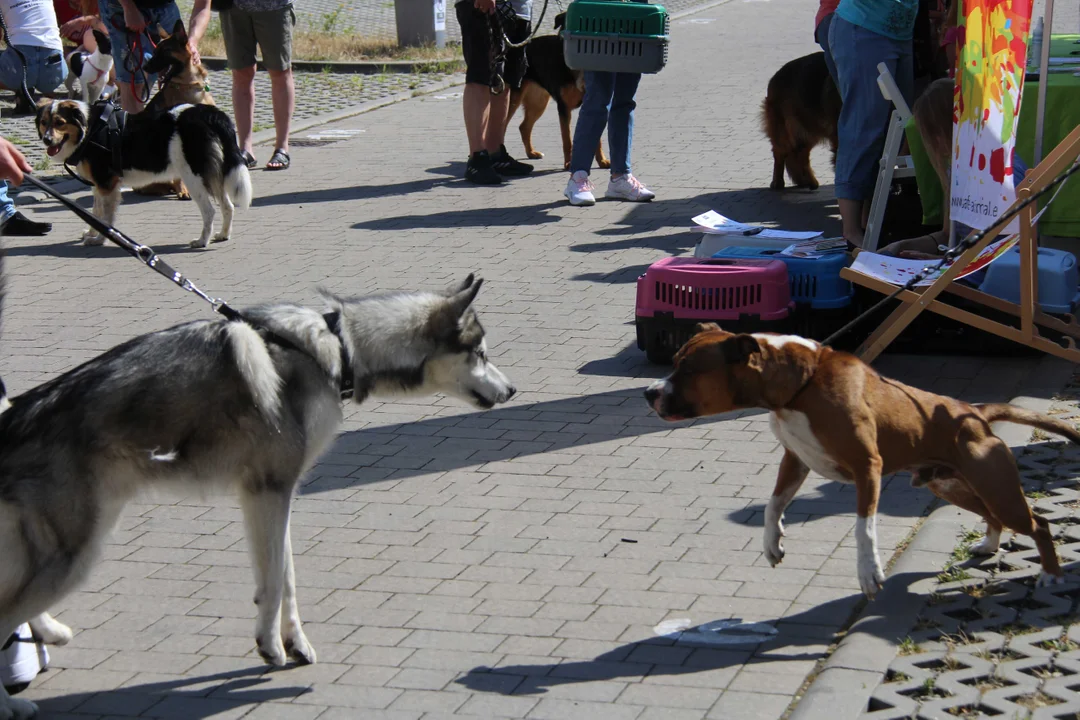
(257, 368)
(1003, 412)
(238, 185)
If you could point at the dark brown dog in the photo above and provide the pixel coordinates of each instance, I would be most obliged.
(547, 77)
(838, 417)
(186, 83)
(800, 111)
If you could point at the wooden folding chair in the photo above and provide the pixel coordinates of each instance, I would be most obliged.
(892, 165)
(915, 301)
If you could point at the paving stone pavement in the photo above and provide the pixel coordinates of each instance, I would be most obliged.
(509, 564)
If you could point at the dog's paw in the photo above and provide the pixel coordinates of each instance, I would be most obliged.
(200, 243)
(871, 577)
(986, 546)
(605, 164)
(92, 239)
(16, 708)
(272, 651)
(535, 155)
(1046, 579)
(183, 194)
(220, 238)
(299, 649)
(774, 549)
(50, 631)
(776, 185)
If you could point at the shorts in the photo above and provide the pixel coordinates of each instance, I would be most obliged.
(45, 68)
(128, 64)
(476, 46)
(270, 30)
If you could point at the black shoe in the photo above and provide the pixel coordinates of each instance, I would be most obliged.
(508, 166)
(18, 225)
(480, 171)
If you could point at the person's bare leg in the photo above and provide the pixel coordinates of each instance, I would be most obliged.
(495, 131)
(283, 94)
(476, 100)
(243, 97)
(851, 217)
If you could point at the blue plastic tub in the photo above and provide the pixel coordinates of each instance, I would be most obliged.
(815, 282)
(1058, 280)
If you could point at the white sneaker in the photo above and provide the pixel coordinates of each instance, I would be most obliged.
(579, 190)
(21, 658)
(628, 187)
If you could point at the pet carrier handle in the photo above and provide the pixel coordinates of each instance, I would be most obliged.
(717, 261)
(616, 36)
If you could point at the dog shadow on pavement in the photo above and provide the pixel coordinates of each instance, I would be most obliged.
(196, 697)
(526, 216)
(703, 649)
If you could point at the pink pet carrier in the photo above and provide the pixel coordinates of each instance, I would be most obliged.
(742, 295)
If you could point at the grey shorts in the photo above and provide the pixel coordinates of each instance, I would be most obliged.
(271, 30)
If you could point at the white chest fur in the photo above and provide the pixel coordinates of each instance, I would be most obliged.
(792, 429)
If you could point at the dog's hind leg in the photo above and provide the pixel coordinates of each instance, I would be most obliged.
(799, 168)
(201, 196)
(601, 161)
(958, 492)
(266, 517)
(998, 486)
(226, 219)
(49, 630)
(535, 100)
(788, 481)
(292, 634)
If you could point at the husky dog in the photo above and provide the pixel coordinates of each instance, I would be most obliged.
(91, 70)
(192, 143)
(248, 405)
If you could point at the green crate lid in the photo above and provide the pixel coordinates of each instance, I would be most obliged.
(609, 18)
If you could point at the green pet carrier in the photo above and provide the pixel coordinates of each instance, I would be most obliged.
(615, 36)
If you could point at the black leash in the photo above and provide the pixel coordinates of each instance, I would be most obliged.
(952, 254)
(148, 257)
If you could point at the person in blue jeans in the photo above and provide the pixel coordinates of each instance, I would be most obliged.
(132, 24)
(34, 45)
(862, 34)
(608, 102)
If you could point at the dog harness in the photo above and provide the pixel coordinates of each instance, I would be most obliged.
(333, 321)
(106, 132)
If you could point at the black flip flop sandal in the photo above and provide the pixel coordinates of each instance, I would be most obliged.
(249, 159)
(280, 159)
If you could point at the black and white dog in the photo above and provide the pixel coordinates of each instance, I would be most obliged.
(91, 70)
(247, 406)
(193, 143)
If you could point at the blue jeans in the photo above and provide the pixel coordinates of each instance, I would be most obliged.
(128, 65)
(608, 101)
(45, 68)
(821, 37)
(7, 207)
(865, 114)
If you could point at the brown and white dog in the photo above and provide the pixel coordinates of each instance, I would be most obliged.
(837, 416)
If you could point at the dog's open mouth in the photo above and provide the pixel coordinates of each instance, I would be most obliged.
(53, 150)
(482, 401)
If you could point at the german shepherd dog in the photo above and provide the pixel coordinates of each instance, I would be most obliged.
(248, 406)
(547, 77)
(193, 143)
(185, 82)
(801, 110)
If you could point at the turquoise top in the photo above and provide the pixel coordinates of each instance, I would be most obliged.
(892, 18)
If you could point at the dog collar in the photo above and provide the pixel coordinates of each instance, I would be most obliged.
(333, 321)
(105, 132)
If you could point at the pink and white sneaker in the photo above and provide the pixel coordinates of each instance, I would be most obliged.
(579, 191)
(628, 187)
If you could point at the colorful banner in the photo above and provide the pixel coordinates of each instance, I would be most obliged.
(986, 106)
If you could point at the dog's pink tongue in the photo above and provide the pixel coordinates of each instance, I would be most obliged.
(53, 149)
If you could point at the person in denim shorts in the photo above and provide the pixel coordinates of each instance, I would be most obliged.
(133, 28)
(488, 81)
(245, 25)
(36, 38)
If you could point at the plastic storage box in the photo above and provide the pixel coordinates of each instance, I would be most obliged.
(1058, 280)
(743, 295)
(711, 243)
(615, 36)
(823, 300)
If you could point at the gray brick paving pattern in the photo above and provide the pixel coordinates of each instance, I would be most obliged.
(513, 563)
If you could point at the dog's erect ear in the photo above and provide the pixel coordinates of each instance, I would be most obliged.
(459, 287)
(179, 32)
(103, 41)
(560, 20)
(162, 35)
(462, 300)
(705, 327)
